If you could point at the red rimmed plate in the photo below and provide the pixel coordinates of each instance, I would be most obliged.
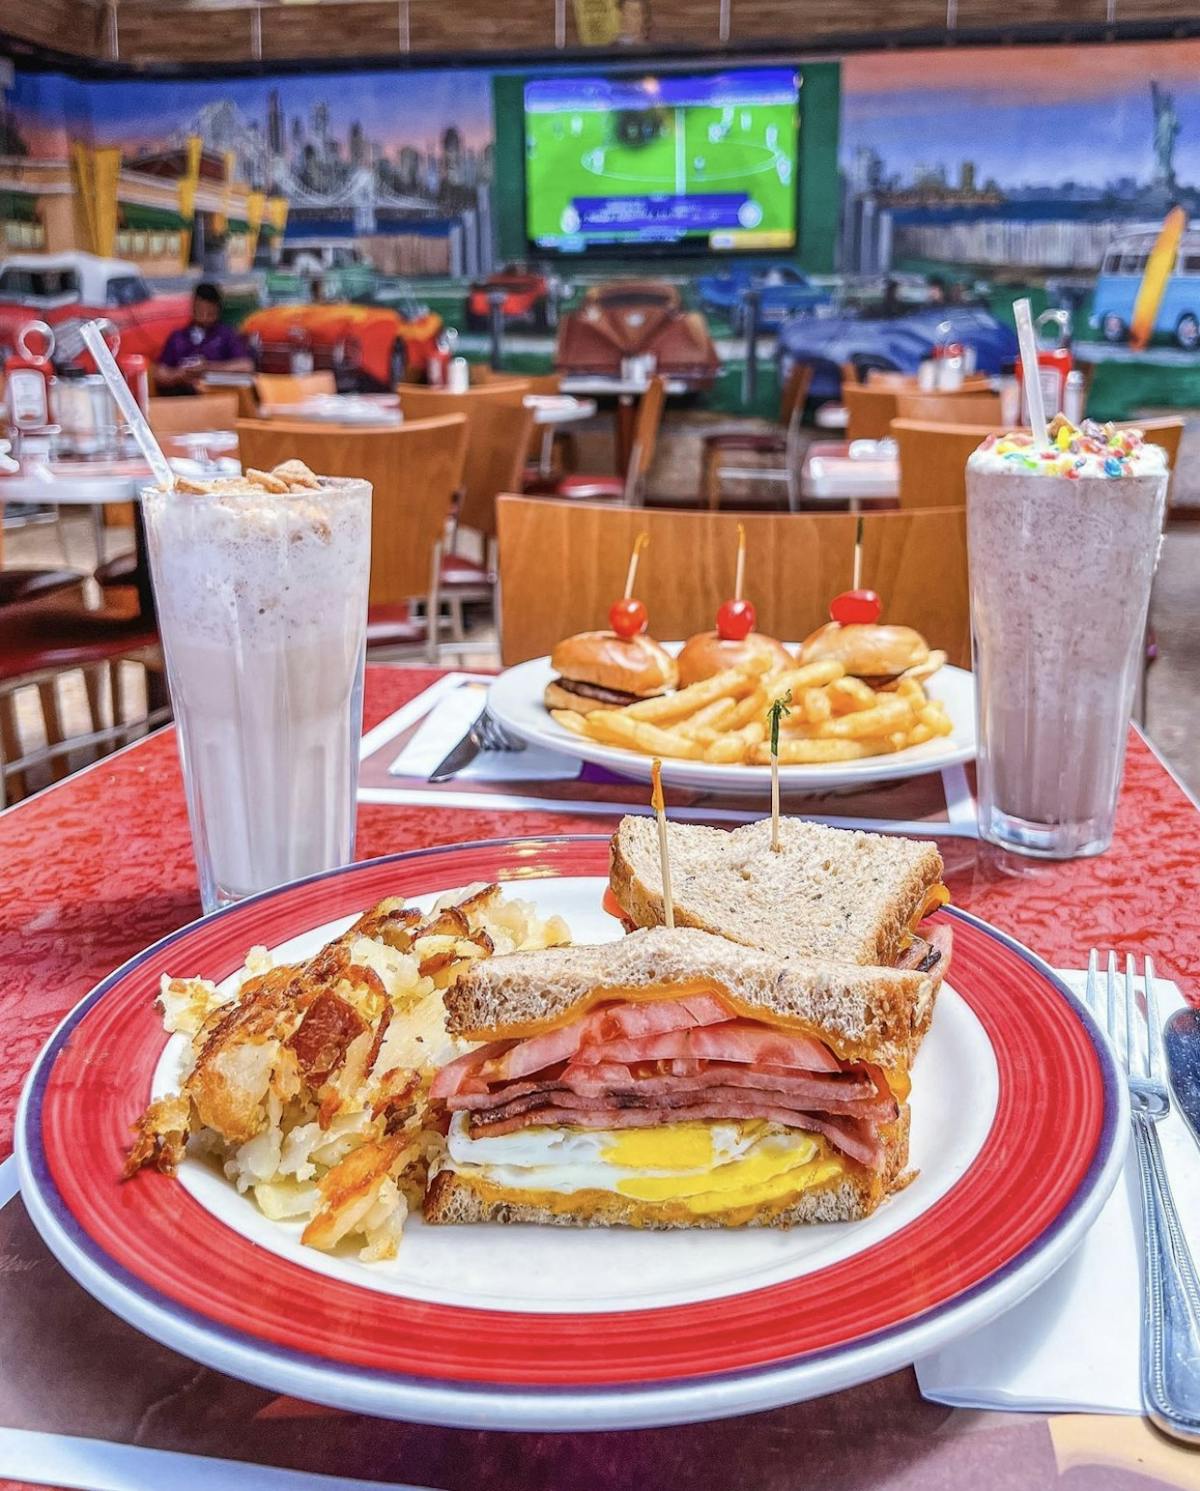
(556, 1328)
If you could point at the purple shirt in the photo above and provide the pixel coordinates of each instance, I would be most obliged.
(219, 343)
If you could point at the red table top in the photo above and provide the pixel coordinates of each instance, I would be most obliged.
(98, 867)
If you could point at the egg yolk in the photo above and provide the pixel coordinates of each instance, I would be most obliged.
(675, 1146)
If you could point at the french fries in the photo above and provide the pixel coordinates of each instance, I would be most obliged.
(834, 717)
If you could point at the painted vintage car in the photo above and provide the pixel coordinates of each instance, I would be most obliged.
(782, 288)
(527, 298)
(367, 347)
(895, 342)
(1177, 314)
(65, 290)
(636, 318)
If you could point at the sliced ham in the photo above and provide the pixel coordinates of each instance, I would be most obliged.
(630, 1021)
(854, 1137)
(732, 1040)
(878, 1107)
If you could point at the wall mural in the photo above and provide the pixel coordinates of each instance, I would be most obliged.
(963, 179)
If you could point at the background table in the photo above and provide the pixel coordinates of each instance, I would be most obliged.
(99, 866)
(831, 474)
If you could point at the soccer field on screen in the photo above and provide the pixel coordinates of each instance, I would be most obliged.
(695, 150)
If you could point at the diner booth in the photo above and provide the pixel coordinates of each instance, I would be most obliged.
(598, 775)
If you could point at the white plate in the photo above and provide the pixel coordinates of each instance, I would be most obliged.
(515, 699)
(172, 1255)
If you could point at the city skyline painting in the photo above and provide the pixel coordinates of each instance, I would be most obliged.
(1023, 116)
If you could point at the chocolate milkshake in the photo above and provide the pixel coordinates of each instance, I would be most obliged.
(1063, 543)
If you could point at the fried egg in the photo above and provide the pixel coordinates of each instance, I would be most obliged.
(704, 1166)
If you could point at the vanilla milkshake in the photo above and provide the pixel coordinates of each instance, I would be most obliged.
(262, 605)
(1063, 542)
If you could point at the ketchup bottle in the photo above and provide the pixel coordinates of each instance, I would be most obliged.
(1054, 364)
(28, 374)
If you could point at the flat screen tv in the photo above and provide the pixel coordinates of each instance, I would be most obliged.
(684, 163)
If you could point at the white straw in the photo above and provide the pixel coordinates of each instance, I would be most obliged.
(1029, 370)
(127, 404)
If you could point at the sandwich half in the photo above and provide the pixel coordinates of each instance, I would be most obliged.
(674, 1079)
(833, 893)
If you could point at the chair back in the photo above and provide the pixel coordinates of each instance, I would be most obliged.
(563, 563)
(955, 408)
(414, 471)
(871, 410)
(293, 388)
(645, 437)
(186, 416)
(794, 394)
(498, 435)
(933, 461)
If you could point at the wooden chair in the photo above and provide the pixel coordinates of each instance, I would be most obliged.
(185, 416)
(629, 488)
(717, 444)
(871, 410)
(562, 564)
(955, 408)
(293, 388)
(933, 460)
(933, 457)
(415, 471)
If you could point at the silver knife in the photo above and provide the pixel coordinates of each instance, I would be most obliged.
(456, 758)
(1181, 1037)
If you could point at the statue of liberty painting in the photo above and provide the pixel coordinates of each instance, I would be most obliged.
(1166, 131)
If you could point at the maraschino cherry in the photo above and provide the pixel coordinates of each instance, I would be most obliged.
(735, 621)
(627, 617)
(855, 606)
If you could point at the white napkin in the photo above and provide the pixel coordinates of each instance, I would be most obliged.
(446, 724)
(1074, 1345)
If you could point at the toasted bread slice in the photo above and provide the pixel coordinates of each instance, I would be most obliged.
(829, 892)
(862, 1014)
(849, 1196)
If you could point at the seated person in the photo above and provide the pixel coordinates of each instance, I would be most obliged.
(204, 345)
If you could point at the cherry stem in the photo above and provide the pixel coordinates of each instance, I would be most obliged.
(639, 544)
(740, 576)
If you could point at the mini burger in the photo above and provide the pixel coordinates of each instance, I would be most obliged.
(599, 670)
(879, 655)
(708, 652)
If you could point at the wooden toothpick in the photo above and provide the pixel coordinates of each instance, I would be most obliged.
(740, 578)
(858, 537)
(660, 812)
(639, 544)
(778, 709)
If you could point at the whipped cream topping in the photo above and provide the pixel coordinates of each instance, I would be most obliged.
(1090, 450)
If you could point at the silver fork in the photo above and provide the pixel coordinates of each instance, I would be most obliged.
(490, 735)
(1170, 1287)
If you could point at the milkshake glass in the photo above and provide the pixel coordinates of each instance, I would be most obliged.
(1063, 542)
(262, 608)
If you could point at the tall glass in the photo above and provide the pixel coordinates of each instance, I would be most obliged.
(262, 609)
(1061, 568)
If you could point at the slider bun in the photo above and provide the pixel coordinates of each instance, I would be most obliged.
(706, 654)
(866, 650)
(632, 665)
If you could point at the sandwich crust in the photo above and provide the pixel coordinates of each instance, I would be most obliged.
(863, 1014)
(849, 1196)
(830, 893)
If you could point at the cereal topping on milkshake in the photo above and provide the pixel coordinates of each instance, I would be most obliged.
(1089, 449)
